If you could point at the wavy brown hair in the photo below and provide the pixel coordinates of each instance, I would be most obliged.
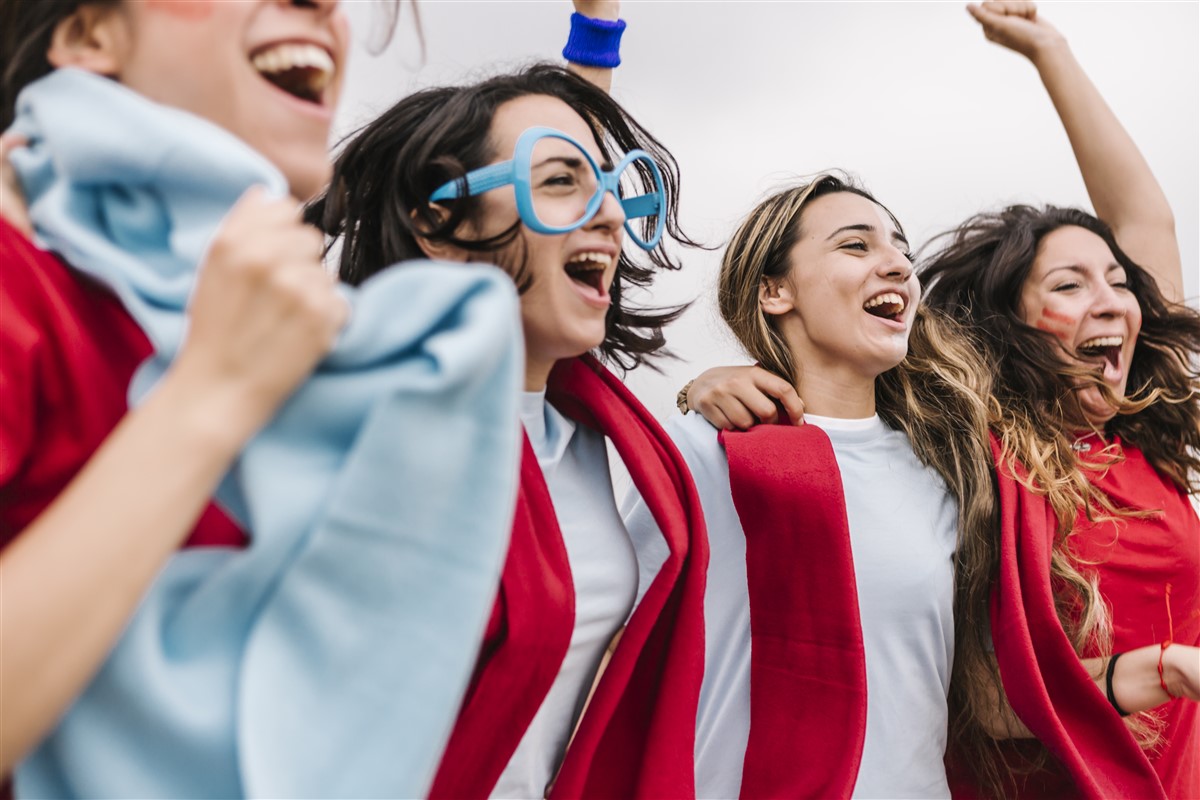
(976, 275)
(938, 396)
(378, 209)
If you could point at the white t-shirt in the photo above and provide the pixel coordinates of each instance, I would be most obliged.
(574, 462)
(903, 530)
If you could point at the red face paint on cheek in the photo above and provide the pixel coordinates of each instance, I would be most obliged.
(1055, 324)
(1056, 317)
(184, 9)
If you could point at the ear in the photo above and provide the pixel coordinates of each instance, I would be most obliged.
(443, 251)
(94, 37)
(775, 296)
(440, 251)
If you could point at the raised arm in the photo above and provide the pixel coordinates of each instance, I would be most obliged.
(1119, 182)
(608, 13)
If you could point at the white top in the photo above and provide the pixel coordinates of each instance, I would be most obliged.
(574, 462)
(903, 527)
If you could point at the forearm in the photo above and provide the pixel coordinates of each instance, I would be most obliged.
(74, 577)
(1136, 684)
(600, 77)
(1120, 184)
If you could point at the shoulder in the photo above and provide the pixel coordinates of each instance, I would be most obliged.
(698, 443)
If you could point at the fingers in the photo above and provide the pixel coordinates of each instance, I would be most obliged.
(12, 199)
(741, 397)
(784, 394)
(1003, 8)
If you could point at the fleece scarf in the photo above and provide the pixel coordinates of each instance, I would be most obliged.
(1047, 685)
(808, 679)
(637, 736)
(329, 658)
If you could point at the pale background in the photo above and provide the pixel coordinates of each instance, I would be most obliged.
(936, 121)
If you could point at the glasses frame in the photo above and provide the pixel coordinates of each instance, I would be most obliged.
(516, 171)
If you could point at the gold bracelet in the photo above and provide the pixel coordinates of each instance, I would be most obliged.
(681, 399)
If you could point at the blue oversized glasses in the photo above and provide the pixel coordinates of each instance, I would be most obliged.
(560, 187)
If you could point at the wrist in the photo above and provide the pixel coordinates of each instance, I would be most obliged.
(600, 9)
(682, 401)
(594, 42)
(212, 419)
(1050, 53)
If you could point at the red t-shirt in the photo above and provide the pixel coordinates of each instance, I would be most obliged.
(68, 350)
(1135, 560)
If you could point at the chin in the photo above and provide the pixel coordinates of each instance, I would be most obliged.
(1093, 408)
(306, 177)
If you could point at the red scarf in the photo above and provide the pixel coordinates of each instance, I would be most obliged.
(637, 736)
(1046, 683)
(808, 680)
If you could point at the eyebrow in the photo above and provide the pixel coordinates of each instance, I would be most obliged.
(1080, 269)
(865, 228)
(570, 161)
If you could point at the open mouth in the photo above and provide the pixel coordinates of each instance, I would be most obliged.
(889, 305)
(1107, 348)
(302, 70)
(588, 269)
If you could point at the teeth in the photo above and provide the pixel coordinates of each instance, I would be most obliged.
(284, 57)
(888, 297)
(1103, 341)
(591, 260)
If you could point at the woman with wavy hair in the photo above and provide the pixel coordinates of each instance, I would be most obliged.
(548, 177)
(1098, 396)
(830, 603)
(1071, 322)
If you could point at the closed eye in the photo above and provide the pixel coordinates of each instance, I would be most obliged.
(854, 246)
(1063, 287)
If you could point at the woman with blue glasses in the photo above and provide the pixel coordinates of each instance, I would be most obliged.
(546, 176)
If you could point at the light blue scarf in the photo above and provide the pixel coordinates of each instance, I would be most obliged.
(329, 658)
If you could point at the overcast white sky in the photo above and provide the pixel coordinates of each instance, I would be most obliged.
(908, 96)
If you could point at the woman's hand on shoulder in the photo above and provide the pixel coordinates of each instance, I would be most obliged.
(12, 200)
(738, 398)
(263, 312)
(1015, 24)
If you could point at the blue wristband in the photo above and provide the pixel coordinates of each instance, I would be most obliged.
(594, 42)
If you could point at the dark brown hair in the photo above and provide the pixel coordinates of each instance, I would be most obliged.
(377, 207)
(977, 276)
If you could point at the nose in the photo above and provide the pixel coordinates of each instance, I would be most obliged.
(895, 265)
(323, 7)
(1109, 303)
(610, 215)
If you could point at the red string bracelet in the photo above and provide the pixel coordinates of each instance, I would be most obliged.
(1166, 643)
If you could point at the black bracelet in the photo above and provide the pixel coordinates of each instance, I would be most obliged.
(1108, 676)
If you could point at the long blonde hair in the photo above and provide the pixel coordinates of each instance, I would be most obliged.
(941, 396)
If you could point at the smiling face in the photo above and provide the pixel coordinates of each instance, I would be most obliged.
(268, 71)
(849, 298)
(563, 311)
(1077, 292)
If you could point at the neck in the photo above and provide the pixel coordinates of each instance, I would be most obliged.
(537, 373)
(837, 396)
